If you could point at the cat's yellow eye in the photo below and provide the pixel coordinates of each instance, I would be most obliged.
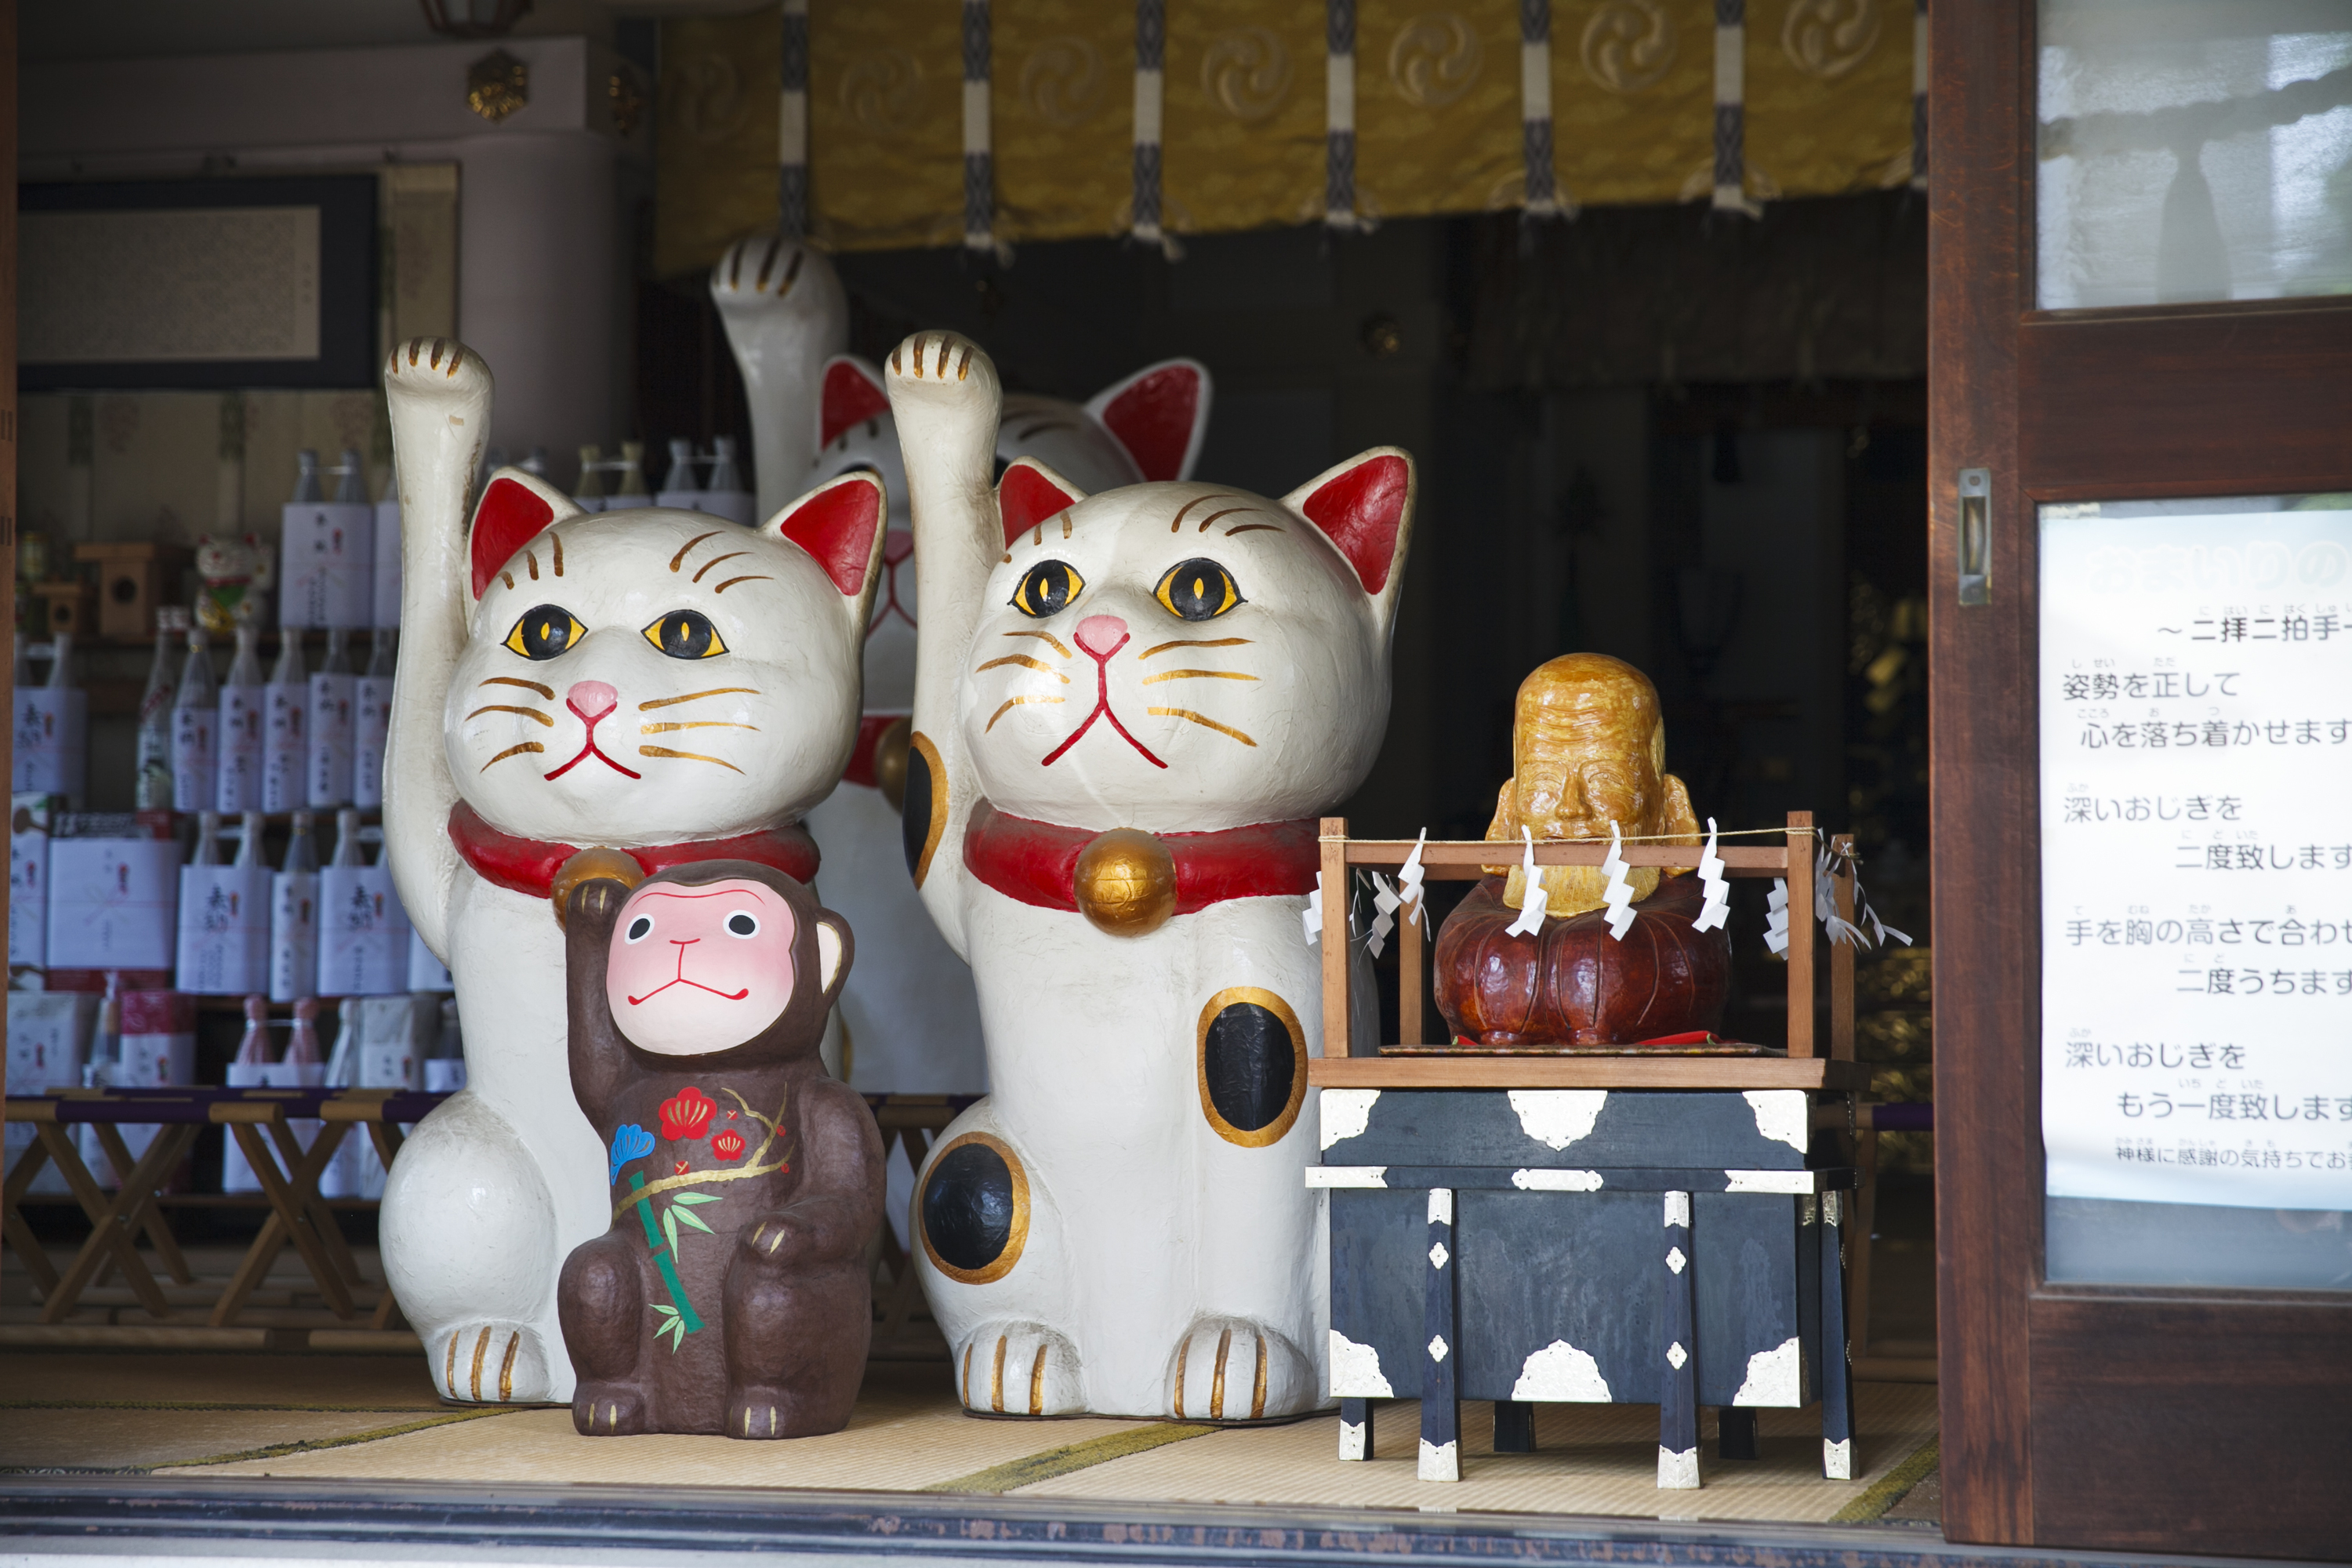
(686, 634)
(1048, 588)
(1198, 590)
(549, 631)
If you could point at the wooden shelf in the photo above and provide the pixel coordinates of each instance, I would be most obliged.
(1588, 1072)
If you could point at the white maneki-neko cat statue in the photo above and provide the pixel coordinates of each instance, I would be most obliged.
(658, 682)
(908, 1006)
(1131, 708)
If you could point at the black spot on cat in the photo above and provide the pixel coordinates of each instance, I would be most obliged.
(969, 1208)
(915, 816)
(1250, 1064)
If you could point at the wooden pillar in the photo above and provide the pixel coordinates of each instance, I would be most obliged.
(1336, 1037)
(1801, 933)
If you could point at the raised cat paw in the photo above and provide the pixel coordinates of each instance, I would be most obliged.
(491, 1363)
(757, 271)
(434, 367)
(609, 1410)
(1019, 1369)
(940, 368)
(1229, 1369)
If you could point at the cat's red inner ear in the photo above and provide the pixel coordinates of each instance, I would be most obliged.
(1153, 420)
(1361, 510)
(836, 525)
(509, 517)
(1025, 498)
(851, 396)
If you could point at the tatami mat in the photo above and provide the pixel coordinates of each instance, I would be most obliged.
(374, 1418)
(1590, 1458)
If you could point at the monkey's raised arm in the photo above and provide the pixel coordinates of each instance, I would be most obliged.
(592, 893)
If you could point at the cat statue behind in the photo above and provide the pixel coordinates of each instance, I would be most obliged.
(911, 1016)
(1129, 710)
(656, 681)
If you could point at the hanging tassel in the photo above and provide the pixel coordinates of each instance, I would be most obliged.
(1618, 897)
(1531, 902)
(792, 125)
(1340, 117)
(1731, 110)
(1715, 912)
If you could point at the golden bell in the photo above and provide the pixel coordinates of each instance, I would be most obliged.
(1126, 882)
(890, 762)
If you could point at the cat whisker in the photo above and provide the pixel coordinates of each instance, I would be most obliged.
(1025, 662)
(1049, 639)
(546, 691)
(1011, 703)
(513, 751)
(693, 724)
(1192, 642)
(1196, 675)
(691, 696)
(509, 708)
(1203, 719)
(686, 757)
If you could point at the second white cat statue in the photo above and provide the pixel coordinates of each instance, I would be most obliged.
(1129, 710)
(656, 682)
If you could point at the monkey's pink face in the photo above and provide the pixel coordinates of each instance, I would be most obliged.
(697, 970)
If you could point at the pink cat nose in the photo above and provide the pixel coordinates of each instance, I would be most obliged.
(592, 700)
(1100, 635)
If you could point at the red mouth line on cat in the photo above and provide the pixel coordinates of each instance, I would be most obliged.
(590, 748)
(1101, 708)
(682, 980)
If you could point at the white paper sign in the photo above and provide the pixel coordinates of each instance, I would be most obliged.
(2196, 710)
(112, 903)
(328, 557)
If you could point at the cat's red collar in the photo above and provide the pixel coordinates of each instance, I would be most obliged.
(530, 865)
(1036, 862)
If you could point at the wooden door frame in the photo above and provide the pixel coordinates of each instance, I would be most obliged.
(2079, 1416)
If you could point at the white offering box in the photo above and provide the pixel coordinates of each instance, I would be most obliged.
(223, 944)
(51, 752)
(328, 565)
(112, 903)
(363, 934)
(48, 1031)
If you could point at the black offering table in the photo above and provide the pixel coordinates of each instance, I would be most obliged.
(1587, 1228)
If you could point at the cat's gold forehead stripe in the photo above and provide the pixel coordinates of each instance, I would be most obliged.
(753, 577)
(1046, 637)
(531, 561)
(555, 541)
(691, 696)
(716, 560)
(1230, 511)
(1199, 501)
(1025, 662)
(1255, 527)
(546, 691)
(689, 545)
(1194, 642)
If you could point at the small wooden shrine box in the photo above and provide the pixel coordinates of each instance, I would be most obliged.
(133, 581)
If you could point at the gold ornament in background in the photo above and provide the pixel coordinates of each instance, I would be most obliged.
(1247, 73)
(882, 92)
(496, 85)
(890, 750)
(1588, 747)
(1827, 39)
(1126, 882)
(1062, 81)
(1629, 45)
(1434, 59)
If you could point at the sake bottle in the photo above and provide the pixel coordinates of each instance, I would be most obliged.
(332, 696)
(151, 790)
(243, 745)
(681, 466)
(536, 464)
(249, 1069)
(285, 751)
(724, 475)
(350, 479)
(344, 1176)
(631, 491)
(306, 478)
(588, 495)
(52, 749)
(294, 917)
(384, 588)
(371, 718)
(196, 733)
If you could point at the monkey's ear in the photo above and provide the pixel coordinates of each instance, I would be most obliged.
(833, 948)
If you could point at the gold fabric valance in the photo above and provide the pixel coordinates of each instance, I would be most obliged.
(1437, 113)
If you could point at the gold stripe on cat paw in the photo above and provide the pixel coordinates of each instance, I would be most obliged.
(1126, 882)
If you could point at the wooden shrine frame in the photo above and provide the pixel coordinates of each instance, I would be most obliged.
(1465, 860)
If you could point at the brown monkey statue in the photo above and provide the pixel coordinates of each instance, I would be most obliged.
(731, 1294)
